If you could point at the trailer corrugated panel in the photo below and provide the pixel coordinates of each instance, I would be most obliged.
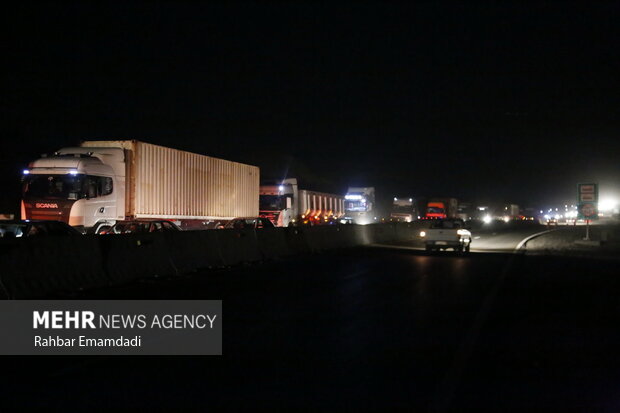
(169, 183)
(313, 202)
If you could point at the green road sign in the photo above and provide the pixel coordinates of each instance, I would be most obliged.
(587, 201)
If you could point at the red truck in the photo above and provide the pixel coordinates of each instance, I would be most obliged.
(441, 208)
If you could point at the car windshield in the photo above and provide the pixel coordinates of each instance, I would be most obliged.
(52, 186)
(131, 227)
(12, 230)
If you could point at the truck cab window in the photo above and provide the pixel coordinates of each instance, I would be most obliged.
(96, 186)
(107, 185)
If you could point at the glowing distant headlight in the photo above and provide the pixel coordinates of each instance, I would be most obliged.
(73, 172)
(422, 233)
(607, 204)
(487, 219)
(25, 171)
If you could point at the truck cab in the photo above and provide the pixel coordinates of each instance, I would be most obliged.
(360, 205)
(75, 186)
(277, 202)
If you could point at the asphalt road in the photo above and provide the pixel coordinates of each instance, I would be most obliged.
(368, 329)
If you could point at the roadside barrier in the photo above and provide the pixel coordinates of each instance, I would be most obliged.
(297, 240)
(272, 243)
(38, 266)
(194, 250)
(34, 267)
(238, 245)
(129, 257)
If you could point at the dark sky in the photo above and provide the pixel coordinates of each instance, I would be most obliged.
(484, 101)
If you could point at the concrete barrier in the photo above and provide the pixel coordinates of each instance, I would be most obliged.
(194, 250)
(238, 245)
(297, 240)
(129, 257)
(382, 233)
(38, 266)
(272, 243)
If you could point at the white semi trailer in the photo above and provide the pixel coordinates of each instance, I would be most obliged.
(287, 205)
(101, 182)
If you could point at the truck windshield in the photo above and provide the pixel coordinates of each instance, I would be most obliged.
(402, 208)
(356, 206)
(66, 186)
(52, 186)
(272, 203)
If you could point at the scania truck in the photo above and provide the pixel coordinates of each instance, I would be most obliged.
(284, 204)
(98, 183)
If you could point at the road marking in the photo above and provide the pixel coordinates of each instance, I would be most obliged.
(531, 237)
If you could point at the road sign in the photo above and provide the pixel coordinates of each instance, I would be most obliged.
(587, 201)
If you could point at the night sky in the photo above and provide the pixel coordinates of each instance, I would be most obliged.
(483, 101)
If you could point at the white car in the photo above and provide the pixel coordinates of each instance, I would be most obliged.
(447, 233)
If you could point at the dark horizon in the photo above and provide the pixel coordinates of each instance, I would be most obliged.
(508, 102)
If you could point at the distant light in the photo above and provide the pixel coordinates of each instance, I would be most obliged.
(281, 188)
(73, 172)
(506, 219)
(410, 199)
(395, 199)
(422, 233)
(26, 171)
(487, 219)
(607, 204)
(541, 211)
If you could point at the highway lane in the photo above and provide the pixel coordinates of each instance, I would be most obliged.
(368, 328)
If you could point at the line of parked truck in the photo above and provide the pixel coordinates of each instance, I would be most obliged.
(98, 184)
